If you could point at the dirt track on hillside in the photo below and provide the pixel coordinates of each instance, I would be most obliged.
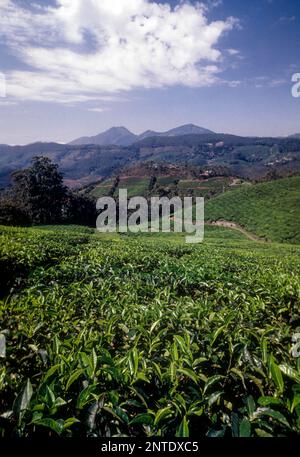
(234, 226)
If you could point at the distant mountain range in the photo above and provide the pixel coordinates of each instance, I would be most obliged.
(187, 129)
(121, 136)
(246, 157)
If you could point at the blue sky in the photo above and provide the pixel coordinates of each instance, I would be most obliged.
(77, 68)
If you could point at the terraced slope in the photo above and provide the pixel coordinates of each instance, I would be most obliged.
(147, 186)
(269, 210)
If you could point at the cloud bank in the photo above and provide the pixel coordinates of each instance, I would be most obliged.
(81, 50)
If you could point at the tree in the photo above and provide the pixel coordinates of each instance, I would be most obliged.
(40, 191)
(11, 210)
(38, 196)
(78, 209)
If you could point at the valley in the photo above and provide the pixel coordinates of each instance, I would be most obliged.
(247, 158)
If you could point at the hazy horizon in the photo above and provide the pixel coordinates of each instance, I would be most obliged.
(138, 134)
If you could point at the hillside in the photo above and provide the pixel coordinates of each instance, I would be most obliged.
(248, 158)
(162, 186)
(151, 179)
(270, 210)
(79, 164)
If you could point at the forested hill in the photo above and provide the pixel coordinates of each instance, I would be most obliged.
(249, 158)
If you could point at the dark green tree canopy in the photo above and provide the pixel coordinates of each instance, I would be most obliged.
(41, 191)
(39, 196)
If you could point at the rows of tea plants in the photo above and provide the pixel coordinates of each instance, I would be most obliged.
(23, 249)
(143, 336)
(269, 210)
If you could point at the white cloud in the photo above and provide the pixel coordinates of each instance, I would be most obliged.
(82, 50)
(258, 82)
(214, 3)
(7, 103)
(287, 19)
(277, 82)
(97, 109)
(233, 52)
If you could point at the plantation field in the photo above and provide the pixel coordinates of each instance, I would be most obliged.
(145, 335)
(167, 181)
(204, 188)
(135, 186)
(141, 186)
(211, 183)
(269, 210)
(102, 189)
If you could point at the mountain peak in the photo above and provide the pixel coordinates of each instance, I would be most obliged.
(121, 136)
(118, 129)
(190, 126)
(186, 129)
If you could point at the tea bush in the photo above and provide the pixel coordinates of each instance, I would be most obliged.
(145, 335)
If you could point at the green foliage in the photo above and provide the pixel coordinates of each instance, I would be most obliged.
(40, 191)
(135, 186)
(145, 335)
(269, 210)
(102, 189)
(38, 196)
(160, 185)
(24, 249)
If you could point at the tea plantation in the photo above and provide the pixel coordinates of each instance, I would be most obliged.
(269, 210)
(108, 335)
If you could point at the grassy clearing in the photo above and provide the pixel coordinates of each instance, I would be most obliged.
(145, 335)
